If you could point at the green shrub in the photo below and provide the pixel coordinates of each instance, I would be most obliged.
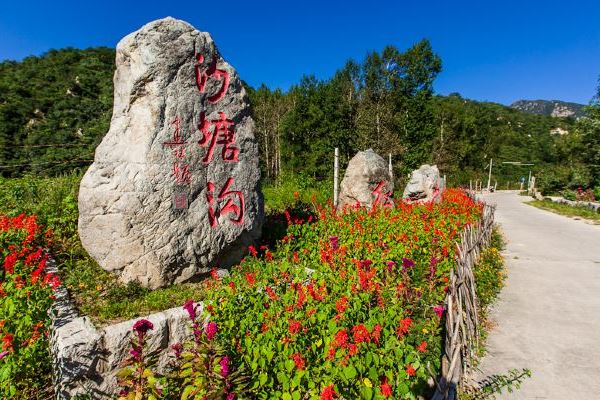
(569, 195)
(489, 275)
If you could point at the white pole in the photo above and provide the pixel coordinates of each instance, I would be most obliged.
(390, 166)
(529, 182)
(490, 174)
(336, 168)
(471, 185)
(495, 185)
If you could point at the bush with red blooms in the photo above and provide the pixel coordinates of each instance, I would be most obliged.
(26, 294)
(349, 306)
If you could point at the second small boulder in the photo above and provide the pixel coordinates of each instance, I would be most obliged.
(367, 182)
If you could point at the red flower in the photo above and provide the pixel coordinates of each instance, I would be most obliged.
(295, 257)
(410, 370)
(328, 393)
(385, 388)
(352, 349)
(269, 256)
(301, 296)
(271, 293)
(294, 326)
(376, 334)
(298, 360)
(7, 341)
(341, 305)
(33, 257)
(341, 338)
(361, 334)
(9, 263)
(253, 251)
(404, 327)
(250, 278)
(214, 274)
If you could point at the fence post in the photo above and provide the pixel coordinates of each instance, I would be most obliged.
(336, 168)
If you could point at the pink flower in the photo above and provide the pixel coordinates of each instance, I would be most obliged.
(211, 330)
(142, 327)
(390, 265)
(230, 396)
(439, 310)
(335, 244)
(190, 307)
(3, 354)
(407, 263)
(177, 348)
(432, 263)
(135, 353)
(224, 366)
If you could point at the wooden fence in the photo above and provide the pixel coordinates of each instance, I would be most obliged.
(462, 324)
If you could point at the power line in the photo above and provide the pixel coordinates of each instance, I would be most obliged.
(42, 145)
(45, 163)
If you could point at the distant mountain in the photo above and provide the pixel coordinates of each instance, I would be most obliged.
(552, 108)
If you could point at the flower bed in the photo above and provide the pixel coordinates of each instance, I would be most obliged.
(350, 306)
(26, 294)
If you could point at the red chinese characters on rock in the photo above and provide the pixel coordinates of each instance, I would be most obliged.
(382, 198)
(221, 132)
(218, 131)
(203, 73)
(214, 210)
(181, 170)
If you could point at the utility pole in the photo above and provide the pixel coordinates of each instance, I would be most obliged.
(390, 167)
(490, 174)
(529, 182)
(336, 168)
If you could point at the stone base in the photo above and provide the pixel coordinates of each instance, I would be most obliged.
(86, 360)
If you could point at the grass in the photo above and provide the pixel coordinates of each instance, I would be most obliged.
(95, 291)
(567, 210)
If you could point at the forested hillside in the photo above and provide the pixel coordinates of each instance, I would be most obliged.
(54, 110)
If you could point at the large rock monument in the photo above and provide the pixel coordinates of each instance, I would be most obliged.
(174, 187)
(425, 185)
(367, 182)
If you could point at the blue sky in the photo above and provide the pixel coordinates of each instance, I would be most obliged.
(491, 50)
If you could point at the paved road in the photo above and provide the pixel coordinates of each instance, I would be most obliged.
(548, 315)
